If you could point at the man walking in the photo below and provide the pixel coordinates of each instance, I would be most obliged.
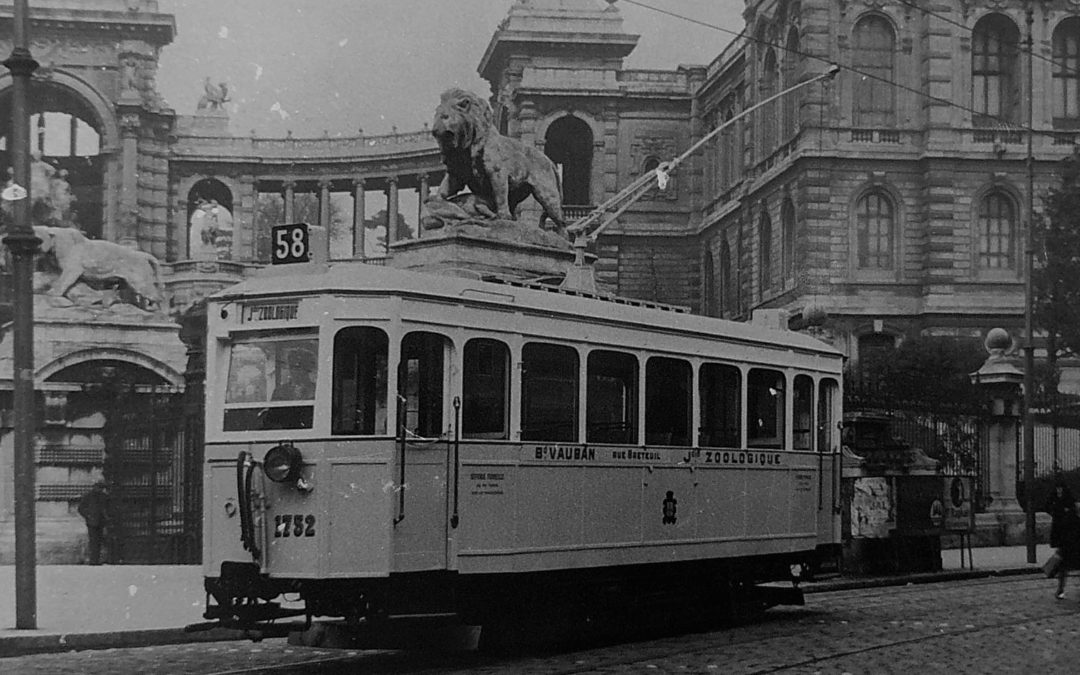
(92, 507)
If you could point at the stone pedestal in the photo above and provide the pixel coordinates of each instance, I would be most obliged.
(461, 252)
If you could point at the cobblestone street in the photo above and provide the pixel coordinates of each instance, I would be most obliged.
(1003, 625)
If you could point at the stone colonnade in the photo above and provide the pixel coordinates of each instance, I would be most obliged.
(360, 188)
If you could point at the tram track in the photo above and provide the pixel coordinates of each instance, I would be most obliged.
(846, 629)
(845, 608)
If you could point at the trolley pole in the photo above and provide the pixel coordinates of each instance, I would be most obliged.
(22, 243)
(1029, 301)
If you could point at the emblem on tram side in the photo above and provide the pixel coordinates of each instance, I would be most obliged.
(671, 506)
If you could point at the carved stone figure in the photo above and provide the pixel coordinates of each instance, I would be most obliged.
(215, 97)
(210, 232)
(82, 259)
(465, 207)
(498, 170)
(51, 199)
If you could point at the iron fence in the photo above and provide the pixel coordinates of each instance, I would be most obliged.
(1056, 421)
(153, 463)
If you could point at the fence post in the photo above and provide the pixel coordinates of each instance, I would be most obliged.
(1000, 377)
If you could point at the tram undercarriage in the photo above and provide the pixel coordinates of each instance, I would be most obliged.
(523, 607)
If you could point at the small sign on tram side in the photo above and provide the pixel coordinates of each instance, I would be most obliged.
(290, 244)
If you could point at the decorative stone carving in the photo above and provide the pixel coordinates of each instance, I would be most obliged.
(79, 259)
(50, 194)
(214, 97)
(660, 148)
(210, 231)
(501, 172)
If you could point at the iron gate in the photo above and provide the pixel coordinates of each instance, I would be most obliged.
(153, 464)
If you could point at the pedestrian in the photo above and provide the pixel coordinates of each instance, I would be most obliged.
(1064, 530)
(93, 509)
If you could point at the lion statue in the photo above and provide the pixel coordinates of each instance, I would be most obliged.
(85, 259)
(498, 170)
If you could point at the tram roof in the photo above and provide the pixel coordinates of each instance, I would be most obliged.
(354, 277)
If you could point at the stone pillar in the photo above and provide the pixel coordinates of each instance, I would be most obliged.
(1000, 377)
(324, 212)
(358, 217)
(128, 215)
(290, 198)
(391, 211)
(423, 191)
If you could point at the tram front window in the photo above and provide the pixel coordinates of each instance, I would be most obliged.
(271, 384)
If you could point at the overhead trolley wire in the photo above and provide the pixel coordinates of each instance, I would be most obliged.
(1003, 123)
(1019, 46)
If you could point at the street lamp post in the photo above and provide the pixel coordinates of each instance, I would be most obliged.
(1029, 341)
(22, 244)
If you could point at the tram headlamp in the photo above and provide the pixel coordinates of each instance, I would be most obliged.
(282, 463)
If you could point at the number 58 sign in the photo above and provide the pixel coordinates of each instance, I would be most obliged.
(290, 244)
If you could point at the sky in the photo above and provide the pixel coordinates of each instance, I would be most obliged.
(338, 66)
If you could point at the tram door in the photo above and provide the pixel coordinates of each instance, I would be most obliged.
(829, 461)
(424, 422)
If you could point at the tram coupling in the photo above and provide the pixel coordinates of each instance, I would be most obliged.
(243, 600)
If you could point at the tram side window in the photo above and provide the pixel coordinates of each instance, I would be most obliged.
(485, 390)
(828, 390)
(549, 393)
(802, 429)
(421, 380)
(359, 398)
(611, 399)
(765, 408)
(721, 408)
(667, 401)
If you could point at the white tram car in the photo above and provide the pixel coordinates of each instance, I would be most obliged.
(383, 443)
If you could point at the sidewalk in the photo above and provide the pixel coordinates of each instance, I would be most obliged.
(85, 607)
(94, 607)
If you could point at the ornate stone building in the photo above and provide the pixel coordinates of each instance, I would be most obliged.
(890, 202)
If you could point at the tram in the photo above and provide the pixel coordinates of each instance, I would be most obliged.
(384, 444)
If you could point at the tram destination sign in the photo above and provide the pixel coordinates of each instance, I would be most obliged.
(270, 311)
(290, 244)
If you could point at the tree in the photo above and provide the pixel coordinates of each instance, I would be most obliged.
(1055, 276)
(378, 221)
(930, 371)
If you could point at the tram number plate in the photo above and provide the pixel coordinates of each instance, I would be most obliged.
(294, 525)
(290, 244)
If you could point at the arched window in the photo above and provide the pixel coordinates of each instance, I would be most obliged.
(730, 148)
(996, 232)
(787, 224)
(768, 118)
(765, 251)
(648, 165)
(727, 280)
(792, 59)
(569, 143)
(874, 224)
(1067, 72)
(873, 96)
(995, 71)
(66, 142)
(210, 222)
